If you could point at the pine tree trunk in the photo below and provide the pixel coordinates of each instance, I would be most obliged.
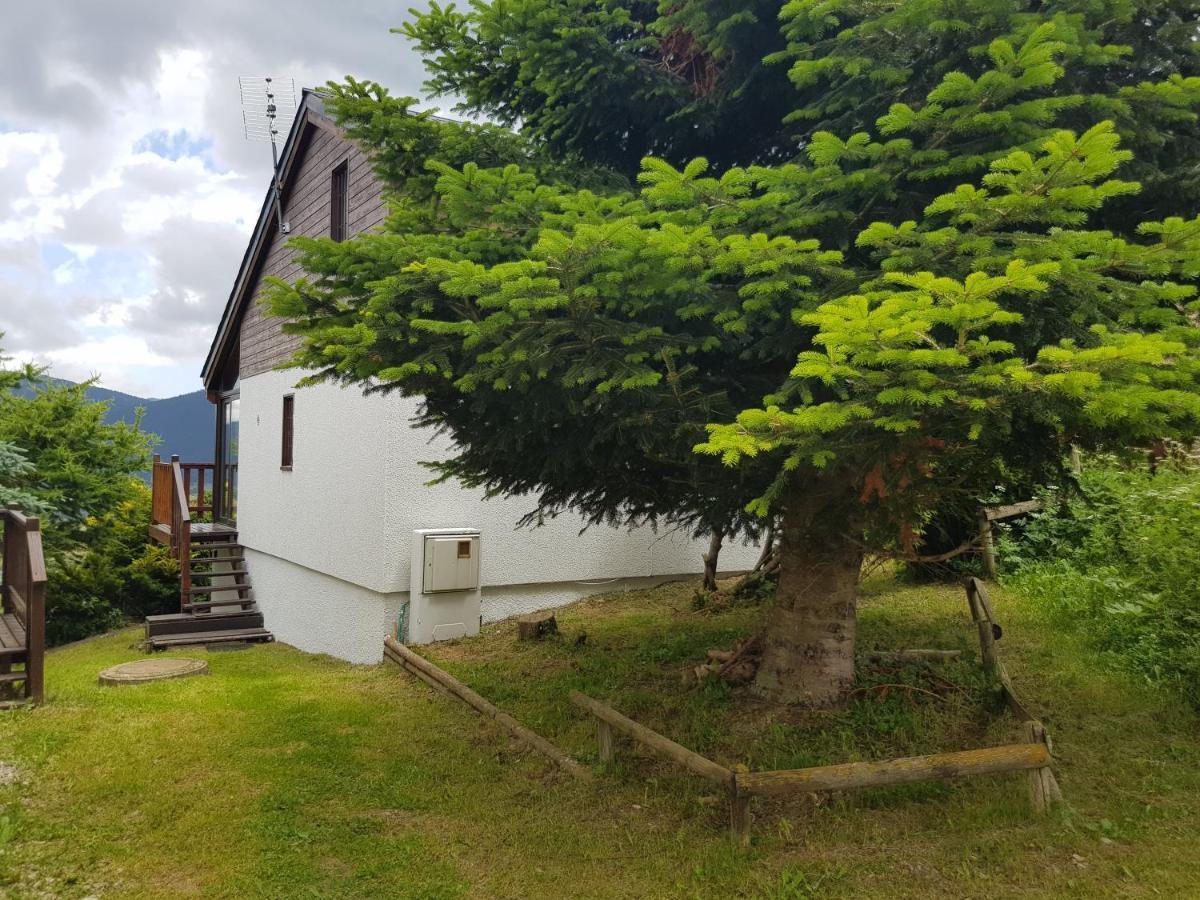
(808, 647)
(710, 560)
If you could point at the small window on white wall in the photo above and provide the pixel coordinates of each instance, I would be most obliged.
(285, 457)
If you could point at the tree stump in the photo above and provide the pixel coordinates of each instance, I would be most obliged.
(535, 626)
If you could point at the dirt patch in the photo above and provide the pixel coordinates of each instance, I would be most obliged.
(9, 774)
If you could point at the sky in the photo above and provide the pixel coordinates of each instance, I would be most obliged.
(127, 188)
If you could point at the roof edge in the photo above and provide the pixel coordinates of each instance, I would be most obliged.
(310, 113)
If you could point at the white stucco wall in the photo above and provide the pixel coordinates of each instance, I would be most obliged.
(356, 492)
(320, 613)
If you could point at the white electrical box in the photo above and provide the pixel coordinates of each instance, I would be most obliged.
(444, 598)
(451, 563)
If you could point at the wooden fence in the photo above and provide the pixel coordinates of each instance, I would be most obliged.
(990, 514)
(1032, 756)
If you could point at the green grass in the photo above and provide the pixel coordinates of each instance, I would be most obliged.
(288, 775)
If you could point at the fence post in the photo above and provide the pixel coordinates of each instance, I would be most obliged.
(1043, 789)
(739, 809)
(980, 615)
(35, 614)
(604, 735)
(4, 532)
(985, 543)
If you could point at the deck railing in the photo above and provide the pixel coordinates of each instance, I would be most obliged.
(23, 592)
(171, 505)
(203, 476)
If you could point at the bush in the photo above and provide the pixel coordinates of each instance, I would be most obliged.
(1122, 560)
(115, 576)
(61, 461)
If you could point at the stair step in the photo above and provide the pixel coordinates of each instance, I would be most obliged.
(230, 573)
(12, 654)
(10, 677)
(209, 560)
(216, 588)
(202, 606)
(216, 621)
(211, 637)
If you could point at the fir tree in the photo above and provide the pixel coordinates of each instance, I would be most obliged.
(860, 350)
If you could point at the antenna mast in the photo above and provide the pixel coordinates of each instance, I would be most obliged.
(267, 104)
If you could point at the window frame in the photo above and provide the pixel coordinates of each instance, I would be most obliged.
(287, 433)
(339, 201)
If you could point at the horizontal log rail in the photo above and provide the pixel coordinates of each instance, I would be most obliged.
(663, 746)
(423, 669)
(906, 770)
(1033, 756)
(23, 593)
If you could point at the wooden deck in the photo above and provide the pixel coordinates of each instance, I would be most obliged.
(161, 531)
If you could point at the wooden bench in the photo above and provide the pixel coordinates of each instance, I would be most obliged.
(22, 611)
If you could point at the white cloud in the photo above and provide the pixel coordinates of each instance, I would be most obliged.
(127, 191)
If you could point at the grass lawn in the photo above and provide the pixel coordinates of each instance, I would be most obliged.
(288, 775)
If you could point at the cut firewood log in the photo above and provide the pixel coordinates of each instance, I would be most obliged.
(535, 626)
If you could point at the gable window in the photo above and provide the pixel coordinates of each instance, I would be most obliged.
(285, 457)
(338, 223)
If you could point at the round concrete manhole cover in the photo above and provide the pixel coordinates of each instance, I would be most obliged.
(144, 670)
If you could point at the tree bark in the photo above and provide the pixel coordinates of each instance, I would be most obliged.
(710, 560)
(808, 646)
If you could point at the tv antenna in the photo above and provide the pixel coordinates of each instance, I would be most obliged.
(269, 106)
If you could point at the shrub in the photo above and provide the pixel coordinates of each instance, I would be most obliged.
(61, 461)
(115, 576)
(1122, 560)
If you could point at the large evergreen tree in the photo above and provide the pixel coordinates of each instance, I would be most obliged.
(887, 324)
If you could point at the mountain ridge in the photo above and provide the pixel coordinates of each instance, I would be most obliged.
(184, 423)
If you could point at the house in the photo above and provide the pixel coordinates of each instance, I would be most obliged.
(325, 532)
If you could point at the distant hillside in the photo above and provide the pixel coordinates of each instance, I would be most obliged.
(184, 424)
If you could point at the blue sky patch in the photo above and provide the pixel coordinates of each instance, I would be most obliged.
(177, 145)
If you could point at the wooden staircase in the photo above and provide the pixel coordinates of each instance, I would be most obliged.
(216, 600)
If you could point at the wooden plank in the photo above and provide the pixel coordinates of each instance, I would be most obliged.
(1008, 758)
(35, 614)
(664, 746)
(211, 637)
(17, 606)
(12, 636)
(184, 623)
(410, 661)
(215, 588)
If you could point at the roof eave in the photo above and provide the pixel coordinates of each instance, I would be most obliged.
(310, 112)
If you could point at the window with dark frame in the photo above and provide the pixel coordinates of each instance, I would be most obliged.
(338, 222)
(285, 457)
